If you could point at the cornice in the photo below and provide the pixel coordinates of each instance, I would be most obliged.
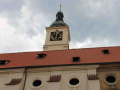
(62, 68)
(50, 28)
(8, 71)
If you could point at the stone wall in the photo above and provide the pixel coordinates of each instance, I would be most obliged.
(109, 75)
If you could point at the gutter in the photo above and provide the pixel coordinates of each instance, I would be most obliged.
(25, 79)
(60, 65)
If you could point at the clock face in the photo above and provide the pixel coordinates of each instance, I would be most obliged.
(56, 36)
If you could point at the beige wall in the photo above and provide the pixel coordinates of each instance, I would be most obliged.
(93, 85)
(64, 37)
(3, 79)
(53, 86)
(7, 75)
(109, 70)
(67, 73)
(57, 45)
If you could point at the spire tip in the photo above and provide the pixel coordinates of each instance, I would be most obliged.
(60, 6)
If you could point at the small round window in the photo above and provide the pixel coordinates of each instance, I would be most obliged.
(74, 81)
(111, 79)
(37, 83)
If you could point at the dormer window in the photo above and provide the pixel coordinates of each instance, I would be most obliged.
(41, 55)
(76, 59)
(106, 51)
(3, 62)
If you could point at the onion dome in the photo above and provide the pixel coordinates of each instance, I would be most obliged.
(59, 20)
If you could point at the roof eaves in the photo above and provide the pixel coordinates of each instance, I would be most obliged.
(61, 65)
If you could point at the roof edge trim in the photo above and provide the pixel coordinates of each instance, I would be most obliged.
(61, 65)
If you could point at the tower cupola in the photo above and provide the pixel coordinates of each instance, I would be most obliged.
(59, 22)
(58, 35)
(59, 16)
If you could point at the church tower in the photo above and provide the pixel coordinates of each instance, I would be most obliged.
(58, 35)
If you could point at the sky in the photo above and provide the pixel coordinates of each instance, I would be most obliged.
(92, 23)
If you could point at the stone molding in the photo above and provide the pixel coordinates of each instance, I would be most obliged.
(14, 81)
(54, 78)
(92, 76)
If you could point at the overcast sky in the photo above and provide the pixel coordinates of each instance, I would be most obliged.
(92, 23)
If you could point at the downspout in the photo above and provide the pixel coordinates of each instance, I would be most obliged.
(25, 79)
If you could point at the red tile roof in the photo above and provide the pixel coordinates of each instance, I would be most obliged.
(14, 81)
(61, 57)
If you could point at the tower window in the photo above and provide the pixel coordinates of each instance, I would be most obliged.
(76, 59)
(41, 55)
(105, 51)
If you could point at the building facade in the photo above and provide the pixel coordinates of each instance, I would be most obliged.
(59, 68)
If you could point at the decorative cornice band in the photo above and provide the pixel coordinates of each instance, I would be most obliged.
(55, 78)
(14, 81)
(92, 76)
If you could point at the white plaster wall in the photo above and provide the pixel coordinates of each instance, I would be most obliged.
(67, 75)
(43, 76)
(3, 79)
(91, 71)
(66, 72)
(64, 37)
(53, 86)
(7, 75)
(94, 85)
(56, 47)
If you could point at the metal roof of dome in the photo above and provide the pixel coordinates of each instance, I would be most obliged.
(58, 24)
(59, 12)
(59, 20)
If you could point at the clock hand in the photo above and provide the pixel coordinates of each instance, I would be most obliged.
(56, 35)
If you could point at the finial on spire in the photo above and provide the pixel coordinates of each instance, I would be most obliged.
(60, 6)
